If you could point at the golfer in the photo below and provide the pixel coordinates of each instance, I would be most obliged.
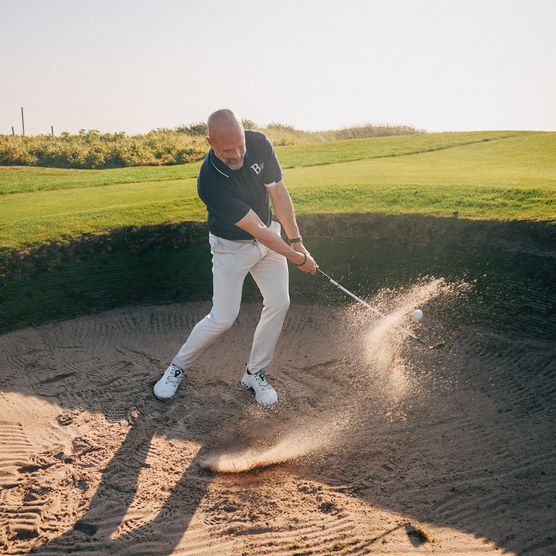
(236, 180)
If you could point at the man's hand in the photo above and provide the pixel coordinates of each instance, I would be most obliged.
(310, 264)
(295, 253)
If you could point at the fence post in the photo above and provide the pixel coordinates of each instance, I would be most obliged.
(52, 130)
(13, 130)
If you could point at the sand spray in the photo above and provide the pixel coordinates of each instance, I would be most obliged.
(375, 359)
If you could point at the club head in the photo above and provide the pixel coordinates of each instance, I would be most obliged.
(438, 345)
(433, 346)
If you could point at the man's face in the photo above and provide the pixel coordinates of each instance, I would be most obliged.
(229, 147)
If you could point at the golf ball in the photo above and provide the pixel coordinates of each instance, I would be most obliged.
(417, 314)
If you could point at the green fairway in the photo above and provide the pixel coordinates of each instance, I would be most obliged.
(486, 175)
(20, 179)
(381, 147)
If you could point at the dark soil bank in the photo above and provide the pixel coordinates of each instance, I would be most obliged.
(510, 264)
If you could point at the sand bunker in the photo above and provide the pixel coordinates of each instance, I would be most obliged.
(383, 445)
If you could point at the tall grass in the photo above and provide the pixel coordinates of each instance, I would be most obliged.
(284, 135)
(90, 149)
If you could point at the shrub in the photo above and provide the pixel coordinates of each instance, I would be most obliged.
(93, 149)
(199, 128)
(248, 124)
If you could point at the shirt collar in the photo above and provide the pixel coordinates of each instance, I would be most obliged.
(222, 169)
(219, 166)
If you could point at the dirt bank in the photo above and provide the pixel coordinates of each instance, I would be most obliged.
(171, 263)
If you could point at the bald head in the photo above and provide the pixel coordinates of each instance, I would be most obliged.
(227, 138)
(223, 121)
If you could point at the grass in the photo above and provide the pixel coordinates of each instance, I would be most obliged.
(501, 177)
(19, 179)
(383, 147)
(489, 175)
(25, 179)
(90, 149)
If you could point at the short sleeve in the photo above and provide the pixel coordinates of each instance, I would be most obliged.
(228, 208)
(272, 172)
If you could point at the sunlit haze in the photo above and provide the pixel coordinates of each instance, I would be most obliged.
(135, 65)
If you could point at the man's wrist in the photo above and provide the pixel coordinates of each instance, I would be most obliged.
(299, 247)
(297, 239)
(303, 261)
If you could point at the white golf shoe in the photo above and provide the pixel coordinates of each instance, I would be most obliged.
(166, 387)
(260, 387)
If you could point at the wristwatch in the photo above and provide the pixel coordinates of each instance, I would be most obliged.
(297, 239)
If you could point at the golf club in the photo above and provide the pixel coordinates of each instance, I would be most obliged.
(376, 311)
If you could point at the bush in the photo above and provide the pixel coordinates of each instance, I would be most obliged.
(248, 124)
(93, 149)
(198, 129)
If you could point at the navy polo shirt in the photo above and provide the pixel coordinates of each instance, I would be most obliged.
(230, 194)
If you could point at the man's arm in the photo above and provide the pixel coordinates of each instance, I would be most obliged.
(283, 207)
(253, 225)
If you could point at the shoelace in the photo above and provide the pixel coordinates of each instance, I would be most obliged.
(175, 377)
(261, 380)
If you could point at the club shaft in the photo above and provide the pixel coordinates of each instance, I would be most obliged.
(376, 311)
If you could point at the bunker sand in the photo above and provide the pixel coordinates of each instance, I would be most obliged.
(377, 444)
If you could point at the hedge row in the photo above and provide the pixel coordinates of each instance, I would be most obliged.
(91, 149)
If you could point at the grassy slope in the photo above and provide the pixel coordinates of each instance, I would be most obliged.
(492, 175)
(347, 151)
(513, 178)
(19, 179)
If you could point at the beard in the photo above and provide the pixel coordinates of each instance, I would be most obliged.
(231, 163)
(234, 164)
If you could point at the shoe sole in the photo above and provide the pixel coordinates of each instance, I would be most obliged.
(162, 399)
(158, 398)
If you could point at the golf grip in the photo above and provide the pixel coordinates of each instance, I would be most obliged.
(376, 311)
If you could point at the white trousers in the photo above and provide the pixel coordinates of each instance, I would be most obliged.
(231, 261)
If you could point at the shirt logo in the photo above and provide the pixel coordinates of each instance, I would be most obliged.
(257, 168)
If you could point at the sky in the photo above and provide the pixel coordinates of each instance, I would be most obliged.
(137, 65)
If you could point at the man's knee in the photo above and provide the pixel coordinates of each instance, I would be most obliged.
(222, 322)
(281, 305)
